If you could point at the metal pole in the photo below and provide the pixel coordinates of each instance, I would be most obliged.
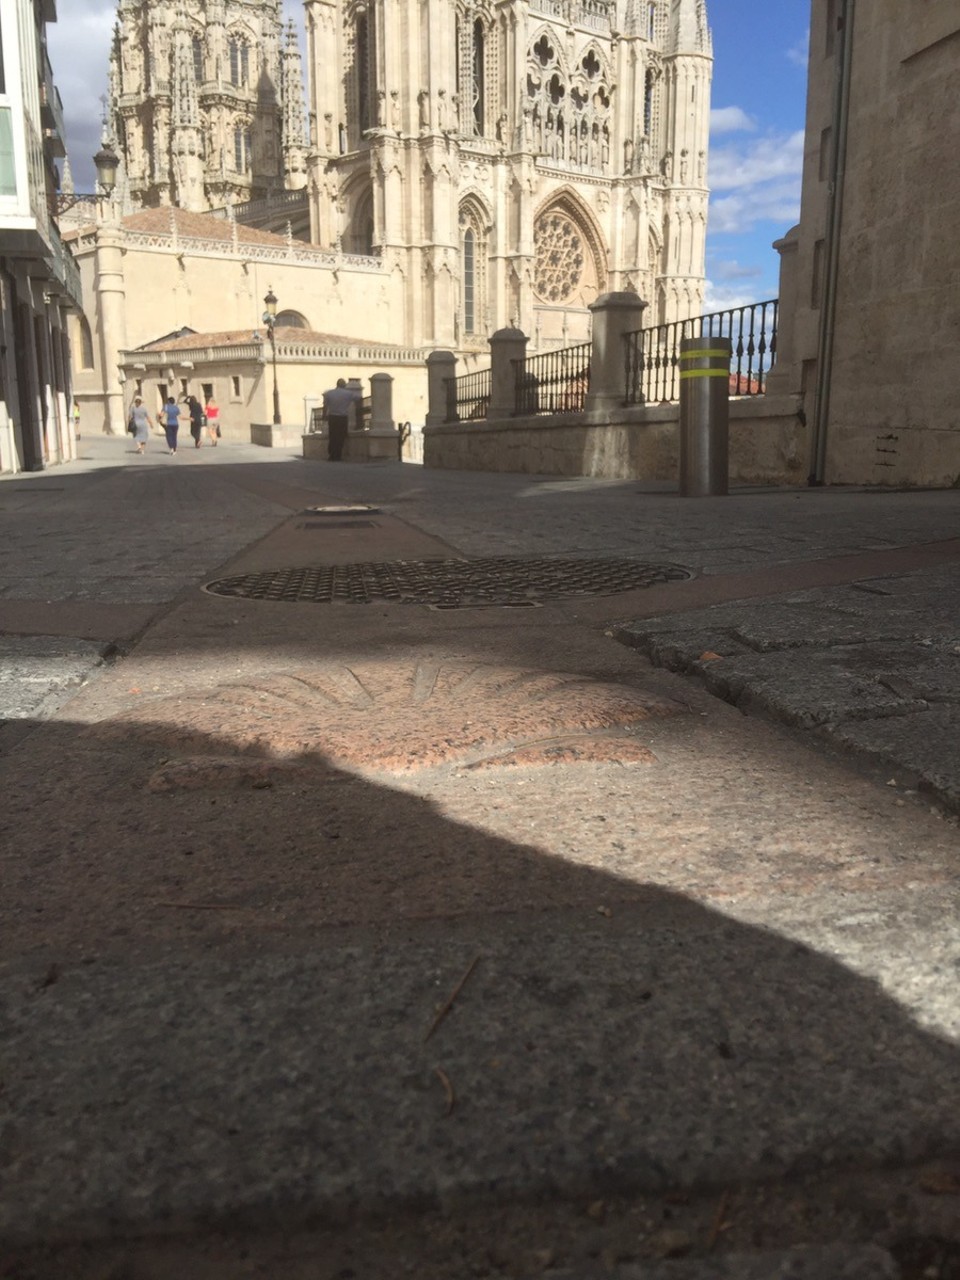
(276, 391)
(828, 308)
(704, 416)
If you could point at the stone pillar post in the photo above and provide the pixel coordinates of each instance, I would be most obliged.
(506, 346)
(785, 374)
(441, 365)
(112, 305)
(614, 314)
(380, 439)
(381, 403)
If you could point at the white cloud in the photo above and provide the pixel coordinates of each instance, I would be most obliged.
(732, 270)
(774, 156)
(758, 181)
(720, 298)
(742, 210)
(730, 120)
(799, 54)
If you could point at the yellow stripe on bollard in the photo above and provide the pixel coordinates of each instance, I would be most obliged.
(712, 351)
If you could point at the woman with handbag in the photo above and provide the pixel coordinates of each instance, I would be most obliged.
(139, 424)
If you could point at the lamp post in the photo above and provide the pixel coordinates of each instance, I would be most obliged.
(107, 162)
(111, 300)
(270, 320)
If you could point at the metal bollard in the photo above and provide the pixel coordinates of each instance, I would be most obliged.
(704, 416)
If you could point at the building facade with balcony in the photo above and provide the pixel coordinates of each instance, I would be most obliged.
(39, 280)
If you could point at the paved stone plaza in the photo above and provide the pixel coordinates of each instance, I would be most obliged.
(384, 939)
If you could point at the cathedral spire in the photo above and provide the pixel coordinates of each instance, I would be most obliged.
(292, 105)
(206, 102)
(688, 30)
(186, 105)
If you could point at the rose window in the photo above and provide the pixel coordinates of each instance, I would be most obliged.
(559, 257)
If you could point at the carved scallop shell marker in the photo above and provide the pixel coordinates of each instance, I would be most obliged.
(403, 717)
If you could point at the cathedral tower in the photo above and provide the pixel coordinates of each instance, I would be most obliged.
(206, 102)
(511, 160)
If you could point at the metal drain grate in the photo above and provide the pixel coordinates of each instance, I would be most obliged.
(450, 584)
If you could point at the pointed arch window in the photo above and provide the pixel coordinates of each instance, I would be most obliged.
(473, 254)
(86, 344)
(474, 51)
(358, 230)
(239, 63)
(364, 67)
(479, 89)
(198, 59)
(469, 281)
(243, 148)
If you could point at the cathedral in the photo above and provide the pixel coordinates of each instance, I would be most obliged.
(206, 102)
(514, 160)
(462, 167)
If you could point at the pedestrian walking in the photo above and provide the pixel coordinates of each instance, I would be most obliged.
(336, 408)
(196, 419)
(212, 410)
(139, 424)
(170, 418)
(75, 418)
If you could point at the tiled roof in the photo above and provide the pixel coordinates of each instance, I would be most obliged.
(242, 337)
(198, 226)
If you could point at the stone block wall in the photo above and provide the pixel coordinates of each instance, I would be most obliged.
(768, 444)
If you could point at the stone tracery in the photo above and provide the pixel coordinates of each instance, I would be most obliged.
(569, 110)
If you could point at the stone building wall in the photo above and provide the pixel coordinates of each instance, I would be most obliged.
(870, 286)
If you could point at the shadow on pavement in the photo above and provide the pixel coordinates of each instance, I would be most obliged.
(219, 1002)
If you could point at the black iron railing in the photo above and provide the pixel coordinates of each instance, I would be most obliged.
(468, 397)
(653, 355)
(554, 382)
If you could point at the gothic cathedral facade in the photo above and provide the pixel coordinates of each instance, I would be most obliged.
(206, 103)
(511, 160)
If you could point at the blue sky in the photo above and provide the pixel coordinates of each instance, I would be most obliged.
(756, 142)
(756, 145)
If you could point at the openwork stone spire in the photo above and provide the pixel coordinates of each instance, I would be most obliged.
(206, 101)
(294, 116)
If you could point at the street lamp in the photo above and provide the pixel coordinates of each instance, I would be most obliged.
(107, 162)
(270, 320)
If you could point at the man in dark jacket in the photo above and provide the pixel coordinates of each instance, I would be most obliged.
(196, 419)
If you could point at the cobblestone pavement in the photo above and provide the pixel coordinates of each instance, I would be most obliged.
(379, 939)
